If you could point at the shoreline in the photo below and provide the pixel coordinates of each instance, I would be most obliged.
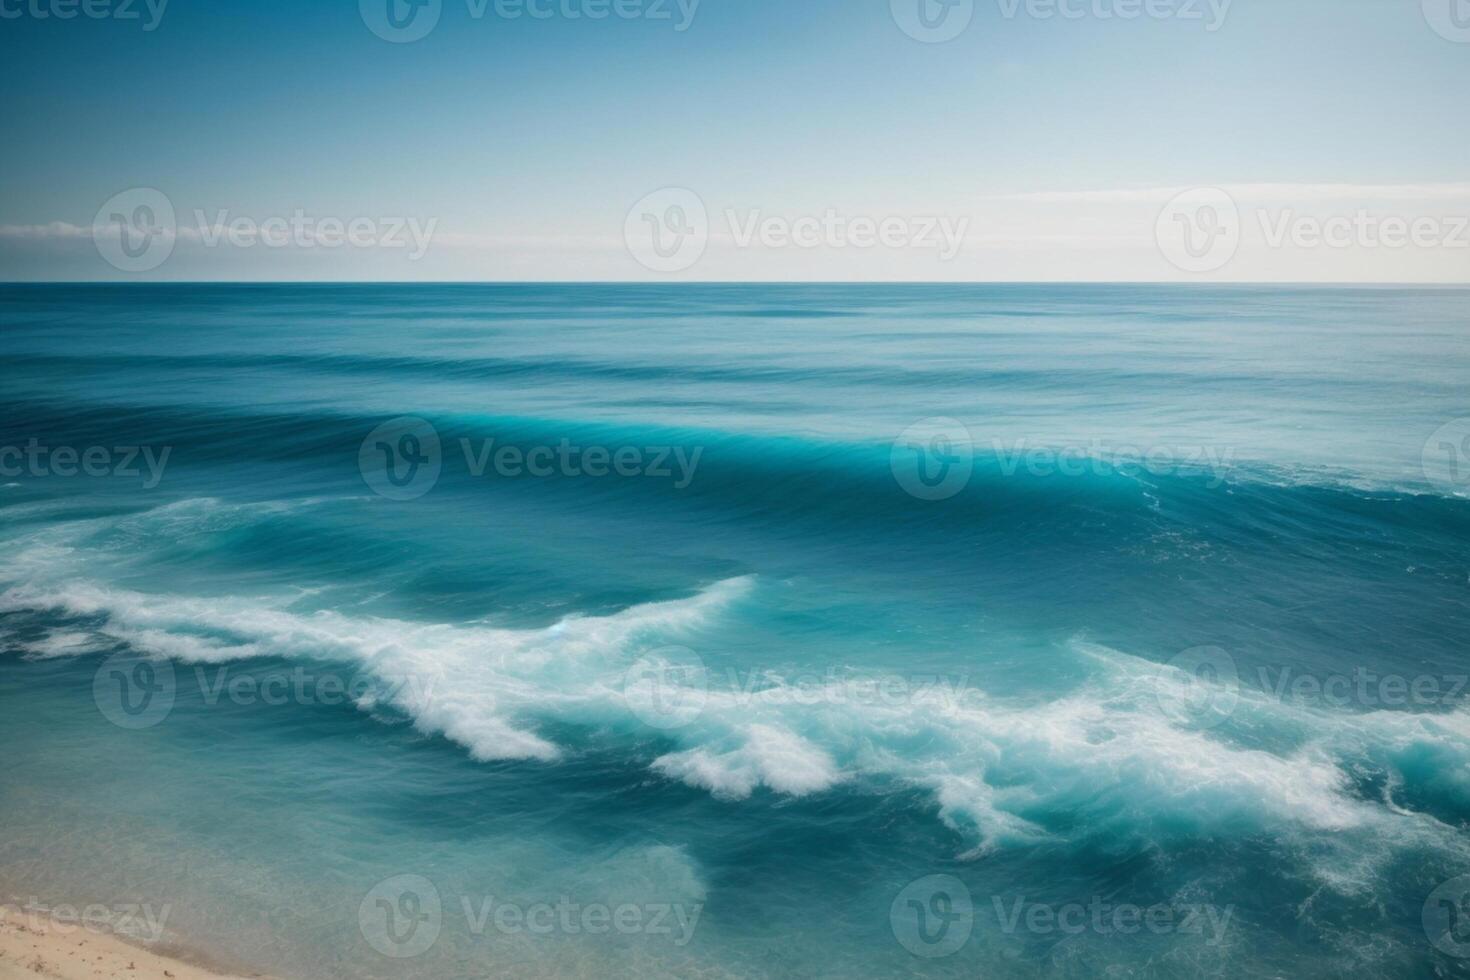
(37, 945)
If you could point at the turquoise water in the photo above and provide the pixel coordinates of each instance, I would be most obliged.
(821, 630)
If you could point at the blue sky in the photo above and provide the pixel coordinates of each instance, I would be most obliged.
(526, 141)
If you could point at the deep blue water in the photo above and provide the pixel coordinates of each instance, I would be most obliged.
(1123, 627)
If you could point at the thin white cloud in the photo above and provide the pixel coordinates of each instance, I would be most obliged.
(1283, 192)
(56, 229)
(66, 231)
(475, 240)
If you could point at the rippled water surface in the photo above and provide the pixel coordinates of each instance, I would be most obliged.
(743, 630)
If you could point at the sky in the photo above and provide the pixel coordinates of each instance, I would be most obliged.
(668, 140)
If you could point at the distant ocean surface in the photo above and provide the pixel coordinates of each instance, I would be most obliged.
(743, 631)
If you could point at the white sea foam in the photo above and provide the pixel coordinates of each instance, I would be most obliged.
(765, 756)
(1102, 758)
(64, 643)
(478, 685)
(1105, 752)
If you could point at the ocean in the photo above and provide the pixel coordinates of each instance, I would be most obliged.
(453, 631)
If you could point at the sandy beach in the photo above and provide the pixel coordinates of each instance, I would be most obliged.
(34, 946)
